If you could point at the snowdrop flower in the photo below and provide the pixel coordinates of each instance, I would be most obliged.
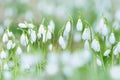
(86, 44)
(112, 38)
(13, 45)
(5, 37)
(117, 49)
(99, 63)
(51, 26)
(23, 39)
(68, 27)
(44, 37)
(62, 42)
(18, 50)
(79, 25)
(10, 34)
(99, 25)
(3, 54)
(102, 27)
(48, 35)
(33, 36)
(86, 34)
(104, 30)
(31, 26)
(115, 72)
(107, 52)
(95, 45)
(22, 25)
(41, 31)
(9, 44)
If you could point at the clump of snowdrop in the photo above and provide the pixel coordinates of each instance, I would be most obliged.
(95, 45)
(86, 34)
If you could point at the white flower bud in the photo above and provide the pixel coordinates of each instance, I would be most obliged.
(62, 42)
(41, 31)
(68, 27)
(44, 37)
(22, 25)
(23, 40)
(112, 38)
(107, 52)
(9, 44)
(10, 34)
(104, 30)
(33, 36)
(31, 26)
(79, 25)
(117, 49)
(95, 45)
(86, 34)
(48, 35)
(51, 26)
(3, 54)
(5, 37)
(18, 50)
